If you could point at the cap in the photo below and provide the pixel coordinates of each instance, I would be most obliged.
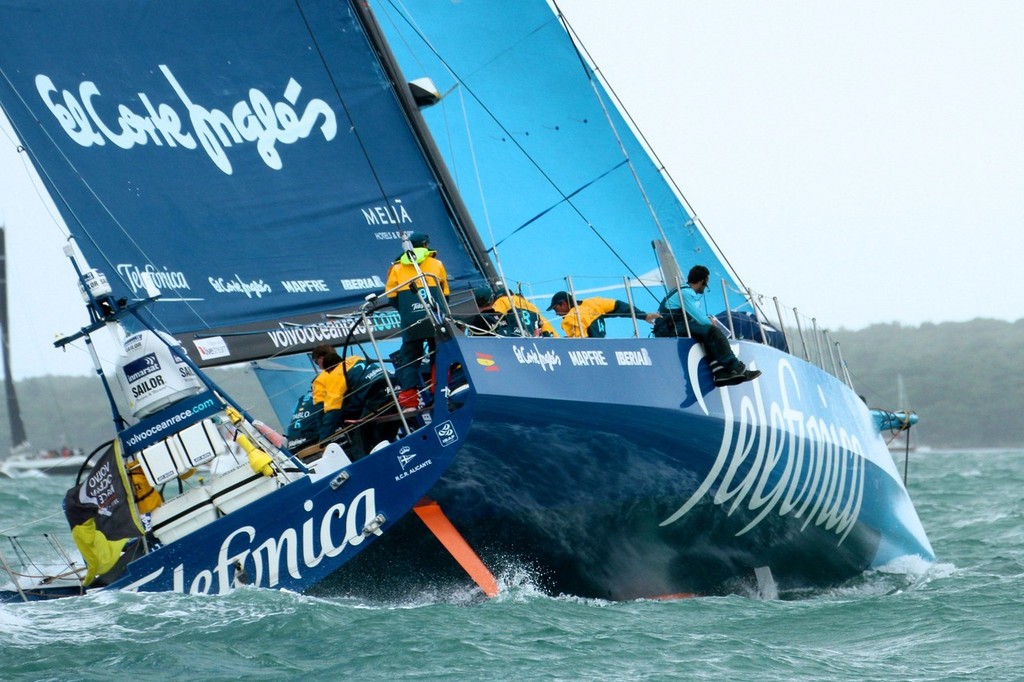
(321, 350)
(560, 297)
(419, 239)
(483, 295)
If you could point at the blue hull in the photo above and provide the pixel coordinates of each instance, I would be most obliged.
(295, 537)
(615, 469)
(298, 535)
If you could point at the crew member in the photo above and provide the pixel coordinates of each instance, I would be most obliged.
(592, 311)
(726, 368)
(406, 291)
(510, 314)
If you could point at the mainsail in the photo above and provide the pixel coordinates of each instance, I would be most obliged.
(261, 175)
(553, 175)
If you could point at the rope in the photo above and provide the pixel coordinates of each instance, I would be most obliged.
(5, 532)
(512, 137)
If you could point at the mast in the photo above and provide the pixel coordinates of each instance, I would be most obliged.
(463, 221)
(18, 436)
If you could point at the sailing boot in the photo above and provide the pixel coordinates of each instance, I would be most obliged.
(717, 371)
(730, 377)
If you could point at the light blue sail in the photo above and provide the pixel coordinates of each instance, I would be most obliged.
(524, 123)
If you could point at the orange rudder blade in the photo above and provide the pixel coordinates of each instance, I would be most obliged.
(430, 513)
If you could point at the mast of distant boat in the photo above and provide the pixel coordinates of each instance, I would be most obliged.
(18, 437)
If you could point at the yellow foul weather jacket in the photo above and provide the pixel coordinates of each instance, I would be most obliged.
(591, 312)
(506, 302)
(402, 270)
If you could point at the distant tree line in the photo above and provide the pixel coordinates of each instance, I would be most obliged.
(964, 379)
(73, 411)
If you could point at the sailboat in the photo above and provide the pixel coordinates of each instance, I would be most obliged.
(264, 184)
(22, 461)
(19, 440)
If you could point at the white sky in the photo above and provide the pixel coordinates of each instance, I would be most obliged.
(861, 160)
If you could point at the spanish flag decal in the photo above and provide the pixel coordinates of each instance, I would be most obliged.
(486, 361)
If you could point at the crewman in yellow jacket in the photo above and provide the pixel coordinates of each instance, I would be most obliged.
(402, 270)
(406, 297)
(592, 311)
(330, 386)
(504, 307)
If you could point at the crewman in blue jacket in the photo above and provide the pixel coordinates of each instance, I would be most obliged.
(726, 368)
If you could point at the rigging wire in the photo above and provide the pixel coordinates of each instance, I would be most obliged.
(26, 163)
(404, 12)
(4, 532)
(662, 169)
(344, 104)
(56, 222)
(458, 214)
(574, 39)
(407, 15)
(510, 135)
(453, 167)
(84, 232)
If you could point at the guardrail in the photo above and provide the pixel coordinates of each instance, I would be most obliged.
(803, 336)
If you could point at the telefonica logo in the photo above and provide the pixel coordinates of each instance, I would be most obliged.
(766, 475)
(255, 119)
(164, 279)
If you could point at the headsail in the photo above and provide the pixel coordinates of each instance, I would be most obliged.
(262, 175)
(525, 123)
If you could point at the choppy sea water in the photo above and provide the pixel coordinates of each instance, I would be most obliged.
(961, 618)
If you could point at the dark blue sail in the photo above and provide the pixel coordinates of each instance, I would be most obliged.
(550, 170)
(252, 157)
(260, 164)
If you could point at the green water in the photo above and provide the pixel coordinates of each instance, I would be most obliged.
(962, 618)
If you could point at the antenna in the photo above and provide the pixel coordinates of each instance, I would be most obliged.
(92, 284)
